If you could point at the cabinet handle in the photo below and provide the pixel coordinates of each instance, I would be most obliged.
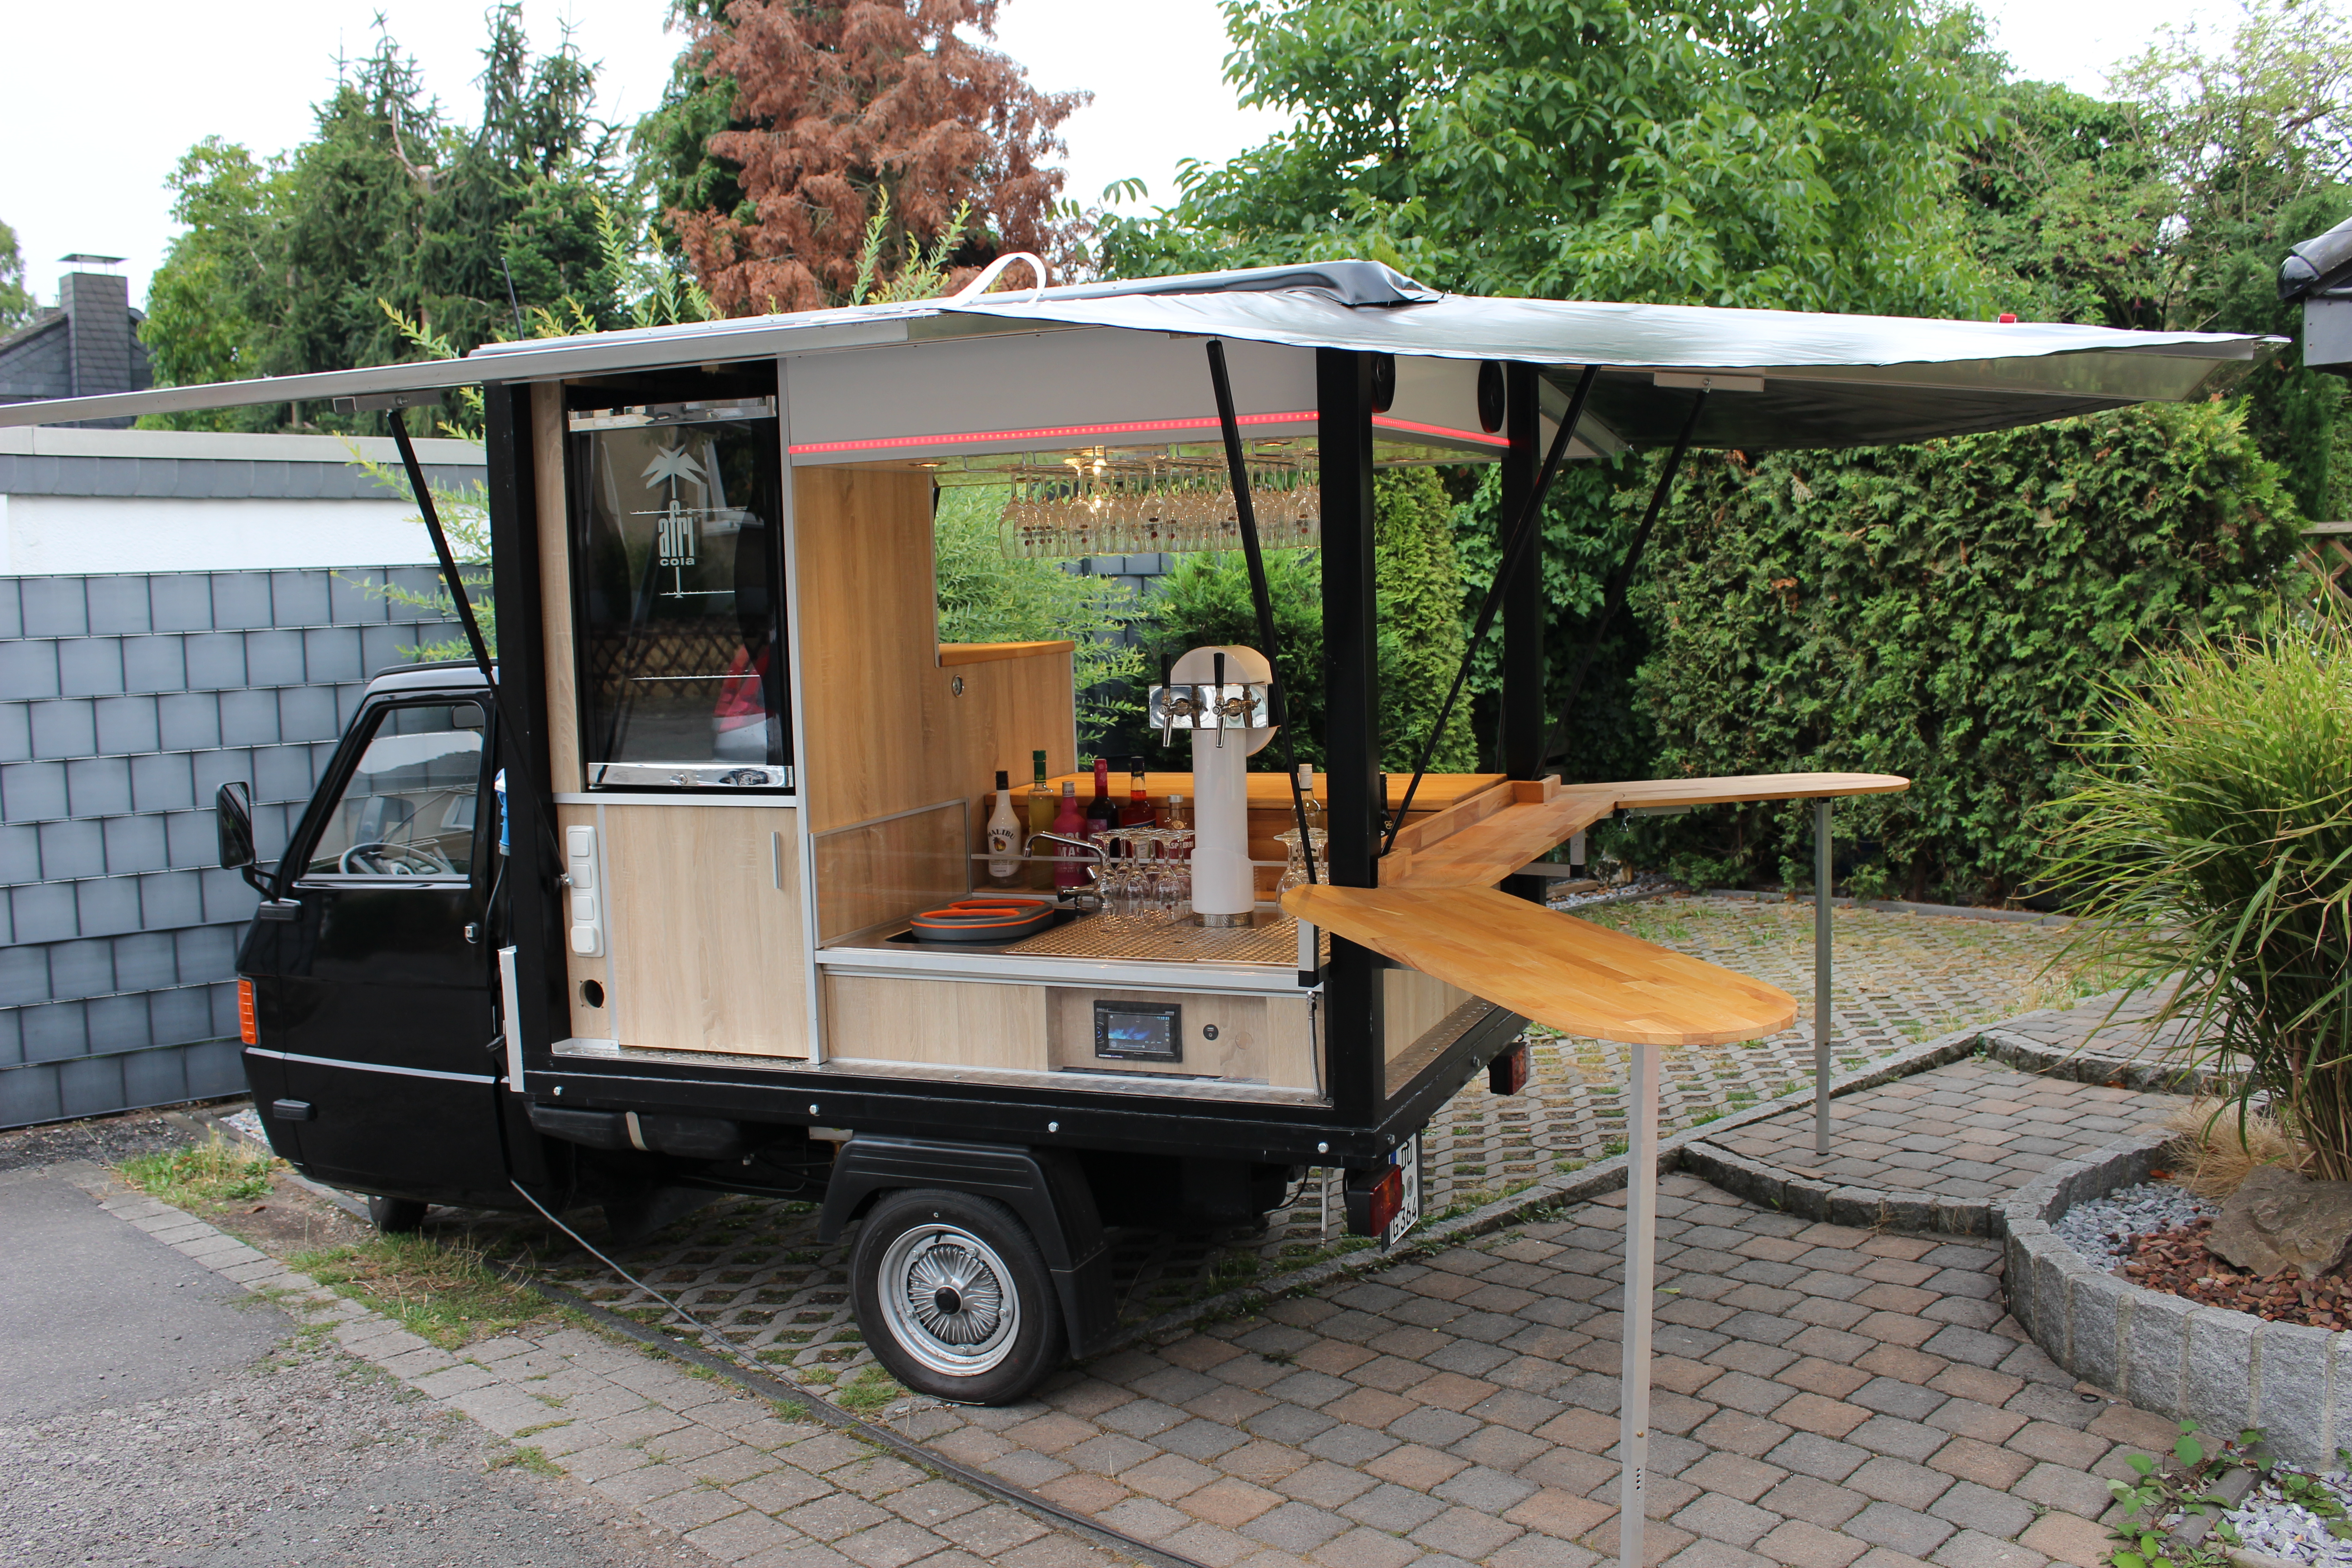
(776, 859)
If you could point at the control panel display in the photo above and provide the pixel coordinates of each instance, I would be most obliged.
(1133, 1032)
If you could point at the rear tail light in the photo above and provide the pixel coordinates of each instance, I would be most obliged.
(247, 1030)
(1507, 1074)
(1373, 1199)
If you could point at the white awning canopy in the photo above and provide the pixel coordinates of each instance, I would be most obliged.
(1788, 378)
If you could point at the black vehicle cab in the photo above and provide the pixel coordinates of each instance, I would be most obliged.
(371, 1039)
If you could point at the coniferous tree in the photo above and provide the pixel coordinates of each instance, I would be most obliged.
(391, 227)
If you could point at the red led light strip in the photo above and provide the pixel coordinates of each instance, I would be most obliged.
(1383, 422)
(1047, 432)
(1128, 427)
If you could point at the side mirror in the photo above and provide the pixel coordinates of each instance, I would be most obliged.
(233, 817)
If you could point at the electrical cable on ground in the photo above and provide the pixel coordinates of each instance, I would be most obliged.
(738, 1369)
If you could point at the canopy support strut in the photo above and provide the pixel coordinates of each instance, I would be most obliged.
(510, 731)
(1262, 599)
(1623, 578)
(1525, 530)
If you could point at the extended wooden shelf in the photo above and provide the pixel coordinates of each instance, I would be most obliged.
(1572, 976)
(952, 654)
(1489, 834)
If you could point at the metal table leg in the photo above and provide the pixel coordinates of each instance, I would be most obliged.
(1641, 1296)
(1822, 874)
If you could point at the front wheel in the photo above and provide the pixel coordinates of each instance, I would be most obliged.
(955, 1298)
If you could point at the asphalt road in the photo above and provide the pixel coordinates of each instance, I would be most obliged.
(151, 1415)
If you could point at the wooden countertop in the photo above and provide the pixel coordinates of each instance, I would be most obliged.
(1569, 975)
(1491, 836)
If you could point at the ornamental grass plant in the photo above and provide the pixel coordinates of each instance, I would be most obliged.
(2211, 852)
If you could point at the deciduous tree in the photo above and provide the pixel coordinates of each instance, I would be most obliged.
(1796, 153)
(841, 113)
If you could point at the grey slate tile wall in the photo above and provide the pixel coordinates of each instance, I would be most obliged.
(124, 703)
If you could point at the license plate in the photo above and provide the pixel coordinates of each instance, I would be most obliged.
(1408, 1214)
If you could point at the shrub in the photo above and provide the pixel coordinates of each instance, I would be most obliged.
(1945, 611)
(2212, 842)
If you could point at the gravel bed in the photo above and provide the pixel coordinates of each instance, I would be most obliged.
(2270, 1524)
(2101, 1228)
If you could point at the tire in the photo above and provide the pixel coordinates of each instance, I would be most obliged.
(955, 1298)
(396, 1217)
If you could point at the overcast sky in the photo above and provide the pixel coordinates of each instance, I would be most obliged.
(85, 153)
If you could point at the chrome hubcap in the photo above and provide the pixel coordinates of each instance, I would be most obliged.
(948, 1300)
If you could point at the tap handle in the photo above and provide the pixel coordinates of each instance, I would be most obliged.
(1218, 701)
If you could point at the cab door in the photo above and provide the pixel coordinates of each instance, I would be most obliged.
(374, 998)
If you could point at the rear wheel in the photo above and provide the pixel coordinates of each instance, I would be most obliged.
(396, 1217)
(955, 1298)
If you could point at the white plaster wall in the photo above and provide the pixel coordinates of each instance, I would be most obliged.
(60, 535)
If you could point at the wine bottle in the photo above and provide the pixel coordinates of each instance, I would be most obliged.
(1307, 794)
(1102, 812)
(1138, 812)
(1070, 862)
(1004, 837)
(1041, 820)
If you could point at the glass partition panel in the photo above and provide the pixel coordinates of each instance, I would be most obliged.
(676, 518)
(878, 874)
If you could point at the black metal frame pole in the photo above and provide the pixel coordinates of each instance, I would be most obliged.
(1352, 983)
(1261, 598)
(1524, 713)
(1623, 578)
(513, 491)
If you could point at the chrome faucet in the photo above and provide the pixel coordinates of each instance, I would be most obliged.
(1102, 863)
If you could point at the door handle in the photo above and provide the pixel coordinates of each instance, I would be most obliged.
(293, 1110)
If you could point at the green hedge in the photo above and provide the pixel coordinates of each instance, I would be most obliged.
(1943, 611)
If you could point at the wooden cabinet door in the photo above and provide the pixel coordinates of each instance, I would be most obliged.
(703, 928)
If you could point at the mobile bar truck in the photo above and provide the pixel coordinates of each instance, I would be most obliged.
(741, 923)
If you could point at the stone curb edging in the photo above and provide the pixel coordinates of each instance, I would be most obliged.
(2226, 1370)
(2089, 1067)
(1864, 1208)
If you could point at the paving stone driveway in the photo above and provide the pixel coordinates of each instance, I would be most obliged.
(1824, 1397)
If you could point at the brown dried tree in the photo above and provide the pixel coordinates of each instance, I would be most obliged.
(846, 110)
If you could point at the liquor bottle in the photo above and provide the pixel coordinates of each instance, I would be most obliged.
(1178, 816)
(1102, 812)
(1004, 837)
(1306, 795)
(1139, 812)
(1070, 863)
(1041, 820)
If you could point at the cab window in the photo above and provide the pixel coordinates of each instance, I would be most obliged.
(408, 810)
